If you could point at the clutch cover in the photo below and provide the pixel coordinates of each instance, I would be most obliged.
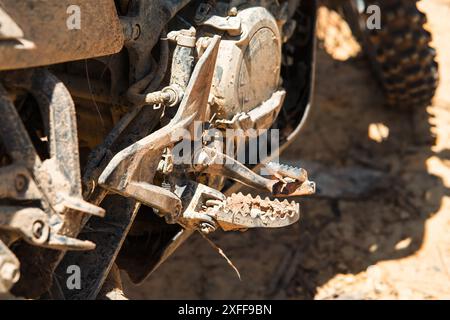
(248, 65)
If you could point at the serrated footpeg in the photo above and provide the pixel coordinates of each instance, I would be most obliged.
(283, 170)
(208, 209)
(241, 211)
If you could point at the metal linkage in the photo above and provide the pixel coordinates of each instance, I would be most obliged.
(32, 225)
(43, 190)
(58, 178)
(131, 170)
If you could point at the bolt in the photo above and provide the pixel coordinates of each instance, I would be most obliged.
(233, 12)
(38, 229)
(21, 182)
(206, 228)
(10, 272)
(136, 32)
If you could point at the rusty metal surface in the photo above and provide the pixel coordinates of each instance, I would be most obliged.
(44, 23)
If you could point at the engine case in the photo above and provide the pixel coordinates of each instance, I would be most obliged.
(248, 66)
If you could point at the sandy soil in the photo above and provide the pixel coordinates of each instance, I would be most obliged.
(394, 243)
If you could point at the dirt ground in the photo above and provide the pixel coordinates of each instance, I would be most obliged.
(394, 243)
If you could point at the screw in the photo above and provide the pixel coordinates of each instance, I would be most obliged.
(21, 182)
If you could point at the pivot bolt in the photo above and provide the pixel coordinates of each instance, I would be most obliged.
(136, 32)
(38, 229)
(21, 183)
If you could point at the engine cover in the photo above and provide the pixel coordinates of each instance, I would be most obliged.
(248, 66)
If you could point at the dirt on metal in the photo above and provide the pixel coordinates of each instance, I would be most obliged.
(394, 243)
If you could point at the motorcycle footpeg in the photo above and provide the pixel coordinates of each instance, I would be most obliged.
(240, 212)
(283, 170)
(292, 182)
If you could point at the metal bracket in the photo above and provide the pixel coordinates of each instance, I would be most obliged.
(54, 182)
(289, 181)
(129, 170)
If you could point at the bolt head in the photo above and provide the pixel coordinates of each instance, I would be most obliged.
(40, 231)
(38, 227)
(233, 12)
(21, 182)
(206, 228)
(136, 33)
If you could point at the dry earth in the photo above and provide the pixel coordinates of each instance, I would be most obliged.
(393, 243)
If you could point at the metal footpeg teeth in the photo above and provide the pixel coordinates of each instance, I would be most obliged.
(284, 170)
(293, 181)
(241, 211)
(294, 189)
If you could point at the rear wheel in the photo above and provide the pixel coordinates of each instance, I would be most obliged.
(399, 51)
